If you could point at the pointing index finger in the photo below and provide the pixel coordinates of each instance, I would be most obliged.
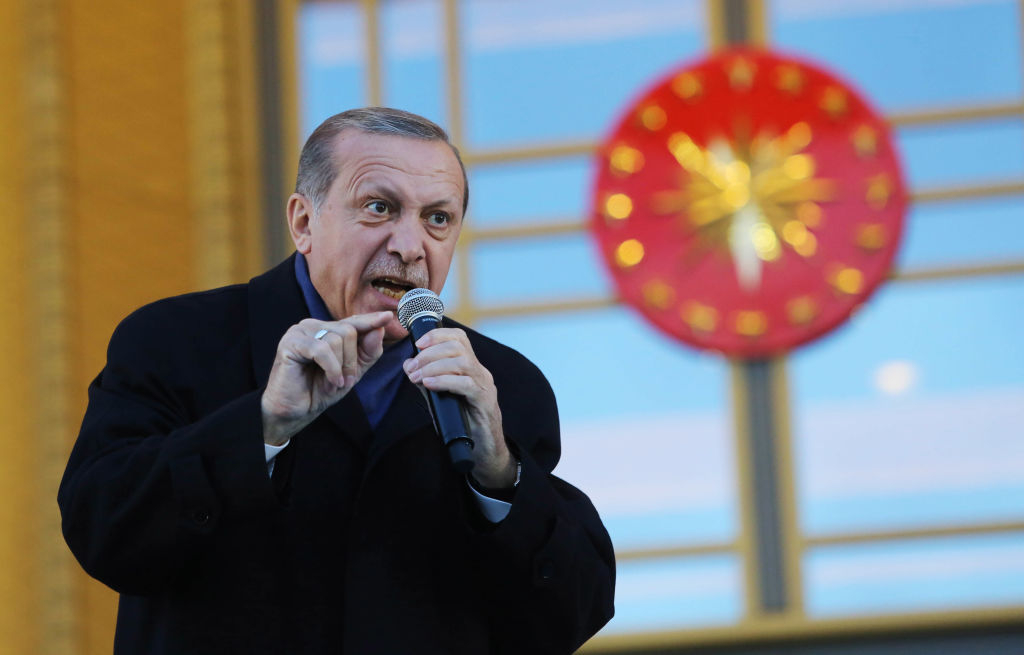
(367, 322)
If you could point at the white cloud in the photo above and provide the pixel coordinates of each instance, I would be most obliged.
(414, 28)
(641, 464)
(896, 377)
(786, 10)
(918, 565)
(909, 445)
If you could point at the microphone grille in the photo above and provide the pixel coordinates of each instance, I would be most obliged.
(416, 302)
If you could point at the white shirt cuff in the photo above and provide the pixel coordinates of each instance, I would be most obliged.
(271, 452)
(493, 510)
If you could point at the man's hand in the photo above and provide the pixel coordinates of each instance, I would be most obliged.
(446, 362)
(309, 374)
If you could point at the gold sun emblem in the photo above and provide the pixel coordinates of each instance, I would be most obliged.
(748, 197)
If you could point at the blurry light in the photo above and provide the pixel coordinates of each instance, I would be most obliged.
(798, 167)
(629, 253)
(626, 160)
(618, 206)
(653, 118)
(809, 213)
(896, 377)
(766, 244)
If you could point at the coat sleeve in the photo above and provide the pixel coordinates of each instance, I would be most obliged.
(549, 567)
(147, 482)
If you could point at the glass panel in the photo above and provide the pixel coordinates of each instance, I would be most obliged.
(537, 70)
(331, 51)
(671, 593)
(562, 267)
(909, 53)
(912, 415)
(412, 52)
(504, 194)
(644, 428)
(963, 232)
(926, 574)
(962, 153)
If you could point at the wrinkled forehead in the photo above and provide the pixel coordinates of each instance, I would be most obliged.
(354, 149)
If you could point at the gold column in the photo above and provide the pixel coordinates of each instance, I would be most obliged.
(128, 173)
(19, 597)
(48, 310)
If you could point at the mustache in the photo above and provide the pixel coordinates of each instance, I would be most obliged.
(413, 275)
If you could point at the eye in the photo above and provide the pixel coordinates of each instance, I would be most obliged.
(438, 219)
(378, 207)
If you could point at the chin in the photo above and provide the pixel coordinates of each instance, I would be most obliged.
(394, 331)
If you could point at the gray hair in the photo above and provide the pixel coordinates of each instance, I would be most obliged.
(317, 168)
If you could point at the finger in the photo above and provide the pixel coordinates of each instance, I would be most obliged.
(349, 353)
(441, 335)
(323, 355)
(435, 353)
(462, 385)
(441, 350)
(363, 322)
(371, 347)
(446, 366)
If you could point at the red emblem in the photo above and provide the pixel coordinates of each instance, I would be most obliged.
(748, 203)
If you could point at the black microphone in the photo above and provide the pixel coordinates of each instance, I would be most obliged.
(419, 312)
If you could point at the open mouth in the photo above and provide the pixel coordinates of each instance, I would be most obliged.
(391, 287)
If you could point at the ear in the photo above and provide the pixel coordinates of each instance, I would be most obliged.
(300, 213)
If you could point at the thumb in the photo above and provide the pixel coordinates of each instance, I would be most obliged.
(371, 346)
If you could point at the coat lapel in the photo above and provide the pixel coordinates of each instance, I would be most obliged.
(407, 414)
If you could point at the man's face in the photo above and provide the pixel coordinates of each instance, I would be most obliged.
(388, 224)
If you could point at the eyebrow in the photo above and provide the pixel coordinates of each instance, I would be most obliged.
(377, 190)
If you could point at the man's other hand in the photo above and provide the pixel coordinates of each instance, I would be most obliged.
(310, 374)
(446, 362)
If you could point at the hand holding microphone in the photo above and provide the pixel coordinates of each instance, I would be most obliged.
(447, 367)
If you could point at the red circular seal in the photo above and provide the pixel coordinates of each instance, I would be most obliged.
(748, 203)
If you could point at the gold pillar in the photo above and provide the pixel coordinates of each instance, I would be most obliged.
(129, 172)
(18, 590)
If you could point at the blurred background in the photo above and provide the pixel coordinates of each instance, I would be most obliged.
(147, 149)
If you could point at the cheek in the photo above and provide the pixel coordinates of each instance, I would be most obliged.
(440, 264)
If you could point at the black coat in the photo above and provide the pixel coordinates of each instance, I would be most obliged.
(364, 541)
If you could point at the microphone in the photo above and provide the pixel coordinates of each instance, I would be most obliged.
(419, 312)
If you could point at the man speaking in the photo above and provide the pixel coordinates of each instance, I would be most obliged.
(258, 469)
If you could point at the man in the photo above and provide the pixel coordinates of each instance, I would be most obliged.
(362, 538)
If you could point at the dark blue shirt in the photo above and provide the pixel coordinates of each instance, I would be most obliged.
(378, 387)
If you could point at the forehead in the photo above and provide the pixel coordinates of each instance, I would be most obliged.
(366, 157)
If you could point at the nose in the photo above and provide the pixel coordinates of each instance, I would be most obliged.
(406, 239)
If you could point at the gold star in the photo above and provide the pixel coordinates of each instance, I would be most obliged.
(653, 118)
(871, 236)
(801, 310)
(687, 86)
(618, 206)
(809, 214)
(879, 190)
(741, 74)
(834, 102)
(865, 141)
(700, 317)
(624, 160)
(751, 323)
(846, 279)
(789, 79)
(658, 294)
(629, 253)
(796, 234)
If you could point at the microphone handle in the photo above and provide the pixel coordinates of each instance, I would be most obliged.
(446, 408)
